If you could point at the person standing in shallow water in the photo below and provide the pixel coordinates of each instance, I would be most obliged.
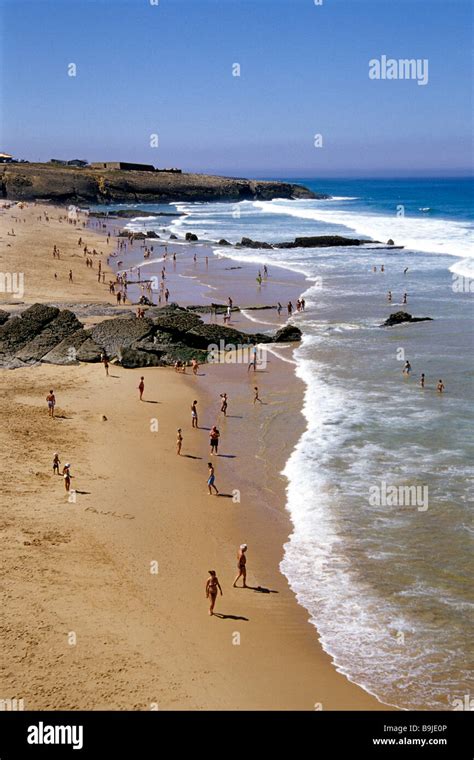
(241, 566)
(440, 386)
(422, 380)
(212, 586)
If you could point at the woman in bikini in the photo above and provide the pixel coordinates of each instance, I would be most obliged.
(212, 586)
(179, 442)
(67, 476)
(242, 566)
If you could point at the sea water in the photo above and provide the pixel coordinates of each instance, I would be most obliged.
(379, 486)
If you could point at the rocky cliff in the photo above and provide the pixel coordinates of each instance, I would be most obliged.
(70, 185)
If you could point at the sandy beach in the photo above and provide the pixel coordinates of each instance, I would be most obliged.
(104, 591)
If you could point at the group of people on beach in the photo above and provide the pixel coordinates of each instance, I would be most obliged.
(213, 586)
(66, 472)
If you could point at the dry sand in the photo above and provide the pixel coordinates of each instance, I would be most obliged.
(87, 623)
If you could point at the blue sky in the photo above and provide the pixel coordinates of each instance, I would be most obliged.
(167, 69)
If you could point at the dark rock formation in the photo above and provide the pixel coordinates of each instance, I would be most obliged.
(57, 330)
(131, 358)
(216, 308)
(203, 336)
(249, 243)
(191, 237)
(46, 334)
(224, 242)
(65, 184)
(390, 242)
(178, 323)
(288, 334)
(78, 347)
(117, 334)
(132, 213)
(173, 237)
(318, 241)
(4, 315)
(152, 234)
(402, 316)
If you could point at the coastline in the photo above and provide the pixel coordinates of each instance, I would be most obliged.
(145, 638)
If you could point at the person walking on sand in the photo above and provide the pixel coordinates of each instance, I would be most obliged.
(407, 368)
(195, 366)
(105, 361)
(141, 387)
(211, 479)
(70, 274)
(253, 362)
(256, 396)
(422, 380)
(241, 566)
(179, 442)
(212, 586)
(56, 463)
(440, 386)
(224, 404)
(194, 415)
(214, 440)
(67, 476)
(51, 399)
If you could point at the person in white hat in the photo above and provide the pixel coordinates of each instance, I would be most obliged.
(241, 566)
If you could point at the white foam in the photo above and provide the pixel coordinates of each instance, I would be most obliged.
(427, 235)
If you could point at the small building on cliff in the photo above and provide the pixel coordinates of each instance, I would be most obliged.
(123, 165)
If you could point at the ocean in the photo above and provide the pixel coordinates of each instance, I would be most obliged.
(380, 488)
